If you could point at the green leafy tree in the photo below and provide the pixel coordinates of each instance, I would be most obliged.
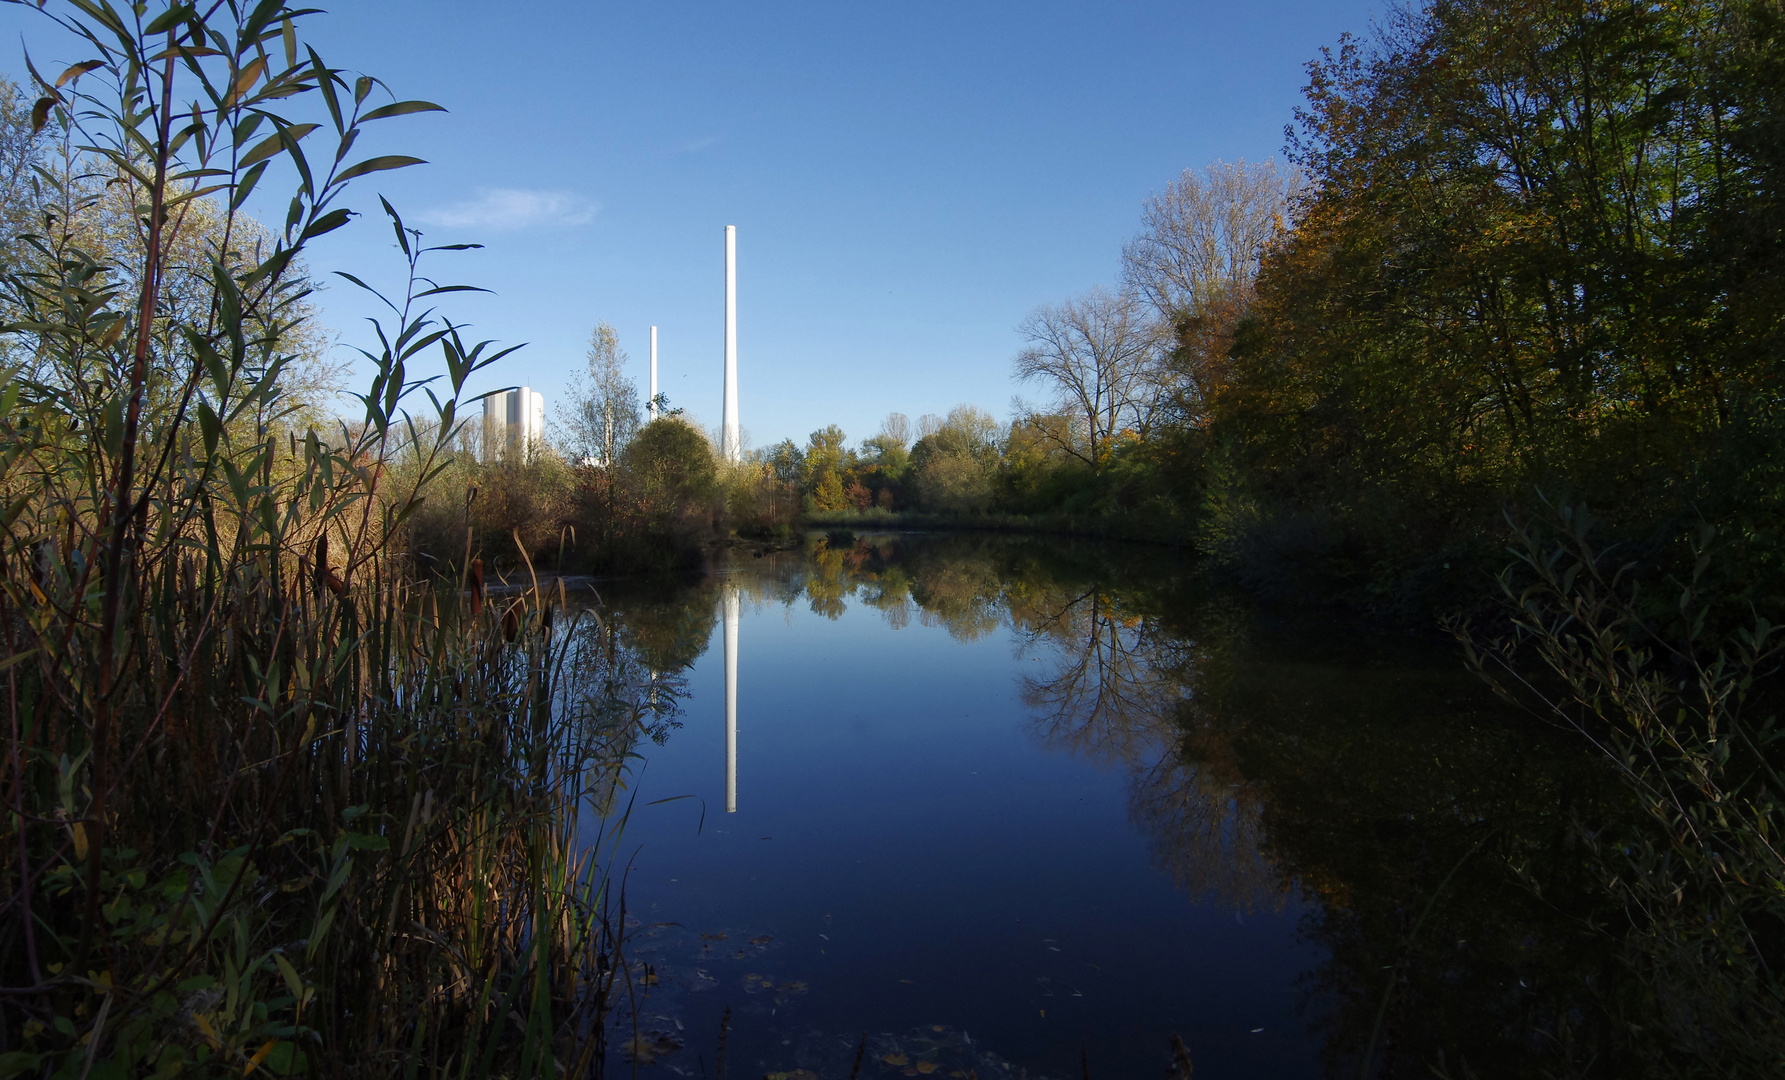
(671, 472)
(602, 413)
(955, 464)
(1532, 252)
(826, 460)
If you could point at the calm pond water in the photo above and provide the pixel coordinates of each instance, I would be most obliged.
(1015, 807)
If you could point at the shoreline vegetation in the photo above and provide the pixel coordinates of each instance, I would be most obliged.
(289, 789)
(275, 803)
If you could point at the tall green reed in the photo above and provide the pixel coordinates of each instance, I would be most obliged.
(272, 804)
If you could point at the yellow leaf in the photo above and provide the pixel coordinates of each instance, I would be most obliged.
(259, 1056)
(896, 1059)
(210, 1032)
(250, 75)
(926, 1066)
(113, 333)
(79, 832)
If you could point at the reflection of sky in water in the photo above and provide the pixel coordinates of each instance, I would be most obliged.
(919, 857)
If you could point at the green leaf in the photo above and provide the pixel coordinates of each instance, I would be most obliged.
(328, 222)
(400, 108)
(246, 185)
(274, 143)
(17, 1062)
(396, 222)
(378, 164)
(169, 19)
(210, 426)
(366, 842)
(13, 511)
(326, 82)
(290, 975)
(437, 290)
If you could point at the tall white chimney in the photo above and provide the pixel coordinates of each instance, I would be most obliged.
(728, 438)
(651, 407)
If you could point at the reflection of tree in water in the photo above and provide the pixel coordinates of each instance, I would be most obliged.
(961, 596)
(1256, 767)
(1116, 693)
(1409, 803)
(894, 577)
(611, 671)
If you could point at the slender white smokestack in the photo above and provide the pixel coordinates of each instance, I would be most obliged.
(728, 438)
(731, 700)
(652, 406)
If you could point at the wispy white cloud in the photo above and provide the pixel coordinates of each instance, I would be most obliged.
(695, 146)
(513, 208)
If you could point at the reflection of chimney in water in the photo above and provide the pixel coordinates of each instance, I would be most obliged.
(731, 699)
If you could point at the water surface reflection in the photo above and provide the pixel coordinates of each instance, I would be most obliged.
(1016, 805)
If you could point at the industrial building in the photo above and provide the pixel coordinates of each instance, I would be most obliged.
(513, 425)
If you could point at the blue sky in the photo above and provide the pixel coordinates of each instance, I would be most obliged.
(908, 180)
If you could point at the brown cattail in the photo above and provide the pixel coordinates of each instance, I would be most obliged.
(336, 585)
(321, 563)
(474, 580)
(511, 623)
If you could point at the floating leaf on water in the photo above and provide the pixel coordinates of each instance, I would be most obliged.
(926, 1067)
(648, 1046)
(720, 936)
(896, 1059)
(795, 987)
(762, 939)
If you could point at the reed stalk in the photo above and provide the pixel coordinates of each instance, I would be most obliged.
(274, 804)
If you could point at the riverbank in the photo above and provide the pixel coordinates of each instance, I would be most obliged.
(877, 519)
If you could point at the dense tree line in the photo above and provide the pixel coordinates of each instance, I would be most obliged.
(1539, 249)
(1519, 251)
